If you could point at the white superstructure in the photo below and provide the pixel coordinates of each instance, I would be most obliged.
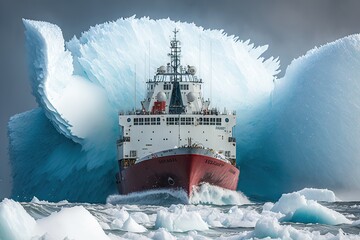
(174, 114)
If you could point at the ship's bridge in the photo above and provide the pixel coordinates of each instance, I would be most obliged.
(175, 89)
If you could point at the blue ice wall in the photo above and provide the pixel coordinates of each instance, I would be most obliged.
(51, 166)
(314, 137)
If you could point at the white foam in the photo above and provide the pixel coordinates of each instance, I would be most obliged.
(155, 197)
(209, 194)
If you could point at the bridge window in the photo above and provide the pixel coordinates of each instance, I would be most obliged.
(172, 121)
(184, 87)
(218, 121)
(167, 86)
(147, 121)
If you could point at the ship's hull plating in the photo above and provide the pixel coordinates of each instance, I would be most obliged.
(177, 171)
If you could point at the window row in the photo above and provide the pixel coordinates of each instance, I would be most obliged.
(190, 121)
(147, 121)
(209, 121)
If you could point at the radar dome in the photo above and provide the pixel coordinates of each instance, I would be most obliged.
(192, 70)
(191, 97)
(161, 70)
(161, 97)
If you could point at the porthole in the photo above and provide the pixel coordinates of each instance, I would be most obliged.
(129, 120)
(226, 120)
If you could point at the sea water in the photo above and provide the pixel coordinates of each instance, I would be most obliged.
(165, 214)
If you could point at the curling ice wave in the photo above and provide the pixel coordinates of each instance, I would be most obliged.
(74, 105)
(81, 85)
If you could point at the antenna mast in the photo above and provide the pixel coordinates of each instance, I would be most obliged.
(135, 90)
(176, 103)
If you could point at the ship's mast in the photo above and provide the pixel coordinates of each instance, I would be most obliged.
(176, 104)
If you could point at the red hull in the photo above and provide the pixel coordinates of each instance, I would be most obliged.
(177, 171)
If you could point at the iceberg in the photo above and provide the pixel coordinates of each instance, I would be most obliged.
(301, 130)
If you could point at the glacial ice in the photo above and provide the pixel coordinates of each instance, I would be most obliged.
(298, 131)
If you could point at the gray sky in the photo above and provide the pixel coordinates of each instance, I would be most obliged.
(290, 28)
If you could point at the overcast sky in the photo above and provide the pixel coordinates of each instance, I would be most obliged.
(290, 28)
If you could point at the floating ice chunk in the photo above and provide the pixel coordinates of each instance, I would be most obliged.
(129, 236)
(270, 228)
(297, 208)
(268, 206)
(210, 194)
(131, 226)
(161, 234)
(37, 201)
(15, 222)
(237, 217)
(180, 220)
(73, 223)
(120, 217)
(140, 217)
